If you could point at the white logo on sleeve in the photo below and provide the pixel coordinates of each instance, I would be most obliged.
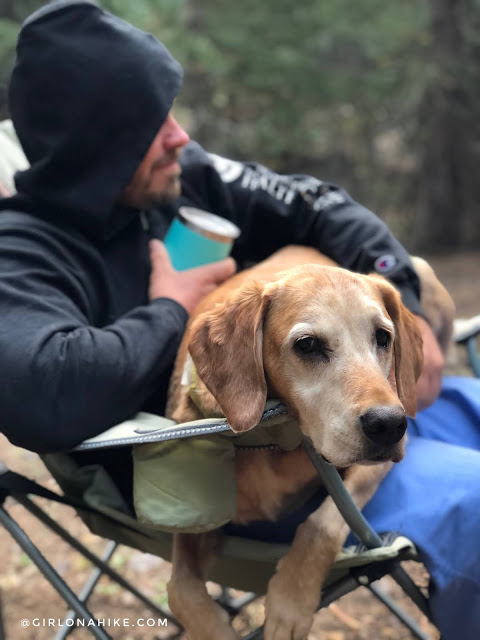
(384, 264)
(255, 177)
(229, 170)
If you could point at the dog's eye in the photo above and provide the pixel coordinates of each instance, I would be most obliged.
(383, 338)
(313, 348)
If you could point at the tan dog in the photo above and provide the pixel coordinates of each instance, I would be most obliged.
(343, 353)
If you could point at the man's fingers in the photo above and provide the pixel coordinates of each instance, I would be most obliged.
(159, 257)
(223, 270)
(185, 287)
(218, 272)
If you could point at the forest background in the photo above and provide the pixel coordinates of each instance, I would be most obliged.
(379, 96)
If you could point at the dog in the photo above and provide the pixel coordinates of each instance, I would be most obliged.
(343, 353)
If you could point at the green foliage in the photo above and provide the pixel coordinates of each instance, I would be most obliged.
(8, 38)
(329, 87)
(273, 79)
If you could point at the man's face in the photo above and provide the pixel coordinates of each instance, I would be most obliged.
(157, 178)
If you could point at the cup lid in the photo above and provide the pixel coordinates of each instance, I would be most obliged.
(208, 224)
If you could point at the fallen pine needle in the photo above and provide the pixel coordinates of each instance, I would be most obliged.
(347, 620)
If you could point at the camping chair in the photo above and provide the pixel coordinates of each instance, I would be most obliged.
(243, 564)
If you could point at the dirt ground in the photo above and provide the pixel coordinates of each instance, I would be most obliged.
(25, 594)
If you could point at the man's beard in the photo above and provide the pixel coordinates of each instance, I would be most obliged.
(167, 195)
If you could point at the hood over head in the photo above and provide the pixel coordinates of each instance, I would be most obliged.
(88, 94)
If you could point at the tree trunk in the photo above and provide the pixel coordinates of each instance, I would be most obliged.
(449, 132)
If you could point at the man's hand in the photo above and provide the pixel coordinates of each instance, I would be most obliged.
(185, 287)
(430, 381)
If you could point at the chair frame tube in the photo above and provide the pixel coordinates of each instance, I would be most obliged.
(100, 563)
(50, 574)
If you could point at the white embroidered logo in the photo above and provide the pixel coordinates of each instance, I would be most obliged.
(386, 263)
(229, 170)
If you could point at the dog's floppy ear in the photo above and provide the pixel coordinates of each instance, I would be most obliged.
(408, 346)
(226, 348)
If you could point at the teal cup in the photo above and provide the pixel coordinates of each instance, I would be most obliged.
(197, 237)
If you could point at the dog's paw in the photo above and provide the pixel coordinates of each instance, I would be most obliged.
(289, 608)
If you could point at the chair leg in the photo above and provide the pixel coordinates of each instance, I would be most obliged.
(399, 613)
(402, 578)
(86, 591)
(50, 574)
(95, 560)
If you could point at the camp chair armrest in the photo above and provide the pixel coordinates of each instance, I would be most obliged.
(463, 330)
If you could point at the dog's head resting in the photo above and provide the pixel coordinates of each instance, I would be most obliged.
(338, 348)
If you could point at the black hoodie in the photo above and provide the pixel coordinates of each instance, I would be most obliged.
(81, 348)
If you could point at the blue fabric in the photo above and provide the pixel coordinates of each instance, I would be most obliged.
(432, 497)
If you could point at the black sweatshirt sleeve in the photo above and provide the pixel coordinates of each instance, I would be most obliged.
(61, 379)
(275, 210)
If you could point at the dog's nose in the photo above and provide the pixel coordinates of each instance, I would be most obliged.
(384, 425)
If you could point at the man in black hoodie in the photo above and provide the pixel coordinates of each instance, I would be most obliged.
(91, 310)
(84, 344)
